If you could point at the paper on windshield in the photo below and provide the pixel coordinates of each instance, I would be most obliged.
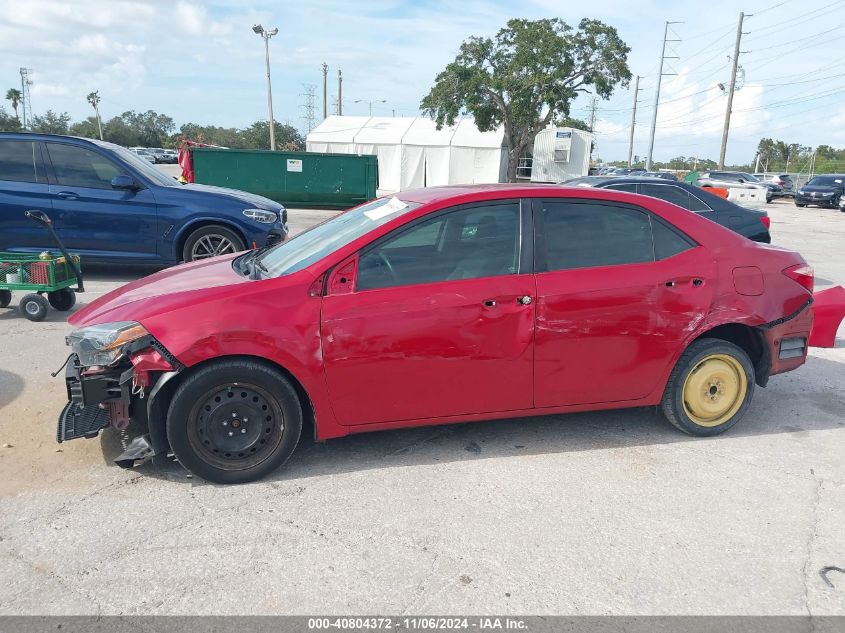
(393, 205)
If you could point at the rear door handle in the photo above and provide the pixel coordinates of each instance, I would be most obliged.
(489, 303)
(68, 195)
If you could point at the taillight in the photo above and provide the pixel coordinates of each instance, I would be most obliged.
(766, 220)
(801, 274)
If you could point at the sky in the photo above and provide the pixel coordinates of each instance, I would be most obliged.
(200, 61)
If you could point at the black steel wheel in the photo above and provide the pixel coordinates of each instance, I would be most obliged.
(62, 300)
(234, 421)
(34, 307)
(5, 298)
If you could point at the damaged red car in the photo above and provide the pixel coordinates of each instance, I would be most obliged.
(438, 306)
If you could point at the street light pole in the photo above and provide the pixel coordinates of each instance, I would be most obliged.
(260, 30)
(370, 103)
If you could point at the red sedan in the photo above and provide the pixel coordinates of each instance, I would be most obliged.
(438, 306)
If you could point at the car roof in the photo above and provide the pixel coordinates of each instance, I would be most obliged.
(433, 194)
(36, 136)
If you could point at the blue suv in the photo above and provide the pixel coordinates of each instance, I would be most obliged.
(109, 205)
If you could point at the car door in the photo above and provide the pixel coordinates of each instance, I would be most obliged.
(618, 289)
(90, 215)
(434, 320)
(23, 186)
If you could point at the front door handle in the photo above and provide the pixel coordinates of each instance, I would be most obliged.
(68, 195)
(695, 282)
(524, 300)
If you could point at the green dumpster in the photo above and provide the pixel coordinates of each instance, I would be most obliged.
(295, 179)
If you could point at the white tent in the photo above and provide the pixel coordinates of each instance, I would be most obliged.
(336, 135)
(426, 154)
(477, 156)
(382, 136)
(412, 152)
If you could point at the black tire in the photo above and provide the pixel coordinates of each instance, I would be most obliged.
(5, 298)
(34, 307)
(214, 435)
(210, 241)
(705, 365)
(798, 204)
(62, 300)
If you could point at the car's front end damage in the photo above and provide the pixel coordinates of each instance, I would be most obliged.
(113, 377)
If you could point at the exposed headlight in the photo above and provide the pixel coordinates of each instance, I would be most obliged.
(102, 344)
(800, 192)
(261, 215)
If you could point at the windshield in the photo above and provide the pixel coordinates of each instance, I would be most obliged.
(317, 242)
(144, 167)
(826, 181)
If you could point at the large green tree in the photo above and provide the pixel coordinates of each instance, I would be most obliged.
(527, 76)
(257, 136)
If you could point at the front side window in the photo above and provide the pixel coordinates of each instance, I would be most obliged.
(80, 167)
(589, 234)
(469, 243)
(20, 161)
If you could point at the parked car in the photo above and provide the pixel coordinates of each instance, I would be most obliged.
(144, 153)
(752, 223)
(735, 179)
(436, 306)
(628, 171)
(784, 181)
(170, 156)
(824, 191)
(665, 175)
(108, 204)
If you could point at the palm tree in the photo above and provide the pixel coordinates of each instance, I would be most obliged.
(14, 95)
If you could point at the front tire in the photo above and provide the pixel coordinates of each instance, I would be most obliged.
(710, 388)
(234, 421)
(211, 241)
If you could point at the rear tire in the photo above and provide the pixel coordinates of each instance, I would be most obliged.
(34, 307)
(5, 298)
(798, 204)
(211, 241)
(62, 300)
(710, 388)
(234, 421)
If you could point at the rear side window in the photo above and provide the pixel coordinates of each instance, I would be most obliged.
(20, 161)
(80, 167)
(630, 187)
(587, 234)
(669, 193)
(667, 241)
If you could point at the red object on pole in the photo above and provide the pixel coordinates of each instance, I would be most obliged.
(828, 312)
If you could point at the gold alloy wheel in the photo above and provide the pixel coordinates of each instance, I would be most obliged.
(714, 390)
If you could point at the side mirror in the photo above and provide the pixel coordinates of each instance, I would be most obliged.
(122, 181)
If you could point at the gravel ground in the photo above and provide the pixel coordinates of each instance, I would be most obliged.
(600, 513)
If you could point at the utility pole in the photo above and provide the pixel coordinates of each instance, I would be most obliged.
(731, 90)
(325, 94)
(633, 119)
(594, 104)
(94, 99)
(339, 93)
(267, 35)
(657, 93)
(26, 99)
